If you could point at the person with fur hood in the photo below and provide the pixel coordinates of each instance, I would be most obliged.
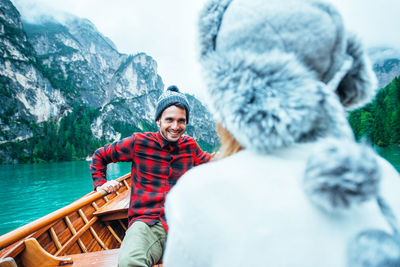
(294, 188)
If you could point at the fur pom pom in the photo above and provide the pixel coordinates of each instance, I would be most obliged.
(209, 23)
(374, 248)
(358, 87)
(341, 174)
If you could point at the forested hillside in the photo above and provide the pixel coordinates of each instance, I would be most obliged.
(70, 140)
(379, 121)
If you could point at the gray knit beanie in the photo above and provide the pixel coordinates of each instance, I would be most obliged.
(170, 96)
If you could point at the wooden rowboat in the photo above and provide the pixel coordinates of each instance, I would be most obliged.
(88, 232)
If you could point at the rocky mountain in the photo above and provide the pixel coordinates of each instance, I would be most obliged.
(26, 95)
(50, 69)
(386, 64)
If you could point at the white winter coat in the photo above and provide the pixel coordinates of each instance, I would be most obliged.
(251, 210)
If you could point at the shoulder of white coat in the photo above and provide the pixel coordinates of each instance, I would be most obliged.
(184, 195)
(194, 180)
(196, 184)
(387, 167)
(390, 184)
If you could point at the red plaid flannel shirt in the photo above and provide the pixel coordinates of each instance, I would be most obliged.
(156, 167)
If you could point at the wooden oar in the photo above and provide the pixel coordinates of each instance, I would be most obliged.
(31, 227)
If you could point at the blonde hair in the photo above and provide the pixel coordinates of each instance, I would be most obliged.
(229, 145)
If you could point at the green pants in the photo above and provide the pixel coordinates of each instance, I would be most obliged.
(143, 245)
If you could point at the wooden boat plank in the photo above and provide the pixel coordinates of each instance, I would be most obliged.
(74, 249)
(47, 243)
(119, 203)
(99, 203)
(94, 246)
(54, 237)
(96, 237)
(16, 248)
(52, 230)
(88, 239)
(38, 224)
(8, 262)
(76, 221)
(71, 241)
(107, 238)
(104, 258)
(35, 256)
(13, 251)
(115, 216)
(88, 211)
(63, 232)
(117, 225)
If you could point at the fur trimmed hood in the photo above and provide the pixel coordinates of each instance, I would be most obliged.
(281, 72)
(278, 67)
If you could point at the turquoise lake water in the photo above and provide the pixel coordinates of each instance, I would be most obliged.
(30, 191)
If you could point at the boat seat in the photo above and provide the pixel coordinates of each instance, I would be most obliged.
(103, 258)
(116, 208)
(8, 262)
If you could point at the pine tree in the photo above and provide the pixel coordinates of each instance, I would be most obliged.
(380, 120)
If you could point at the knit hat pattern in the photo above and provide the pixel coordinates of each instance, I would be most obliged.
(170, 96)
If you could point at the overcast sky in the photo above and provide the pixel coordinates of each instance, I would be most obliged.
(166, 29)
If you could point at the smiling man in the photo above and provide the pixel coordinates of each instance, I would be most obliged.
(158, 161)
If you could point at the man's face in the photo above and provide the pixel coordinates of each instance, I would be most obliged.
(172, 123)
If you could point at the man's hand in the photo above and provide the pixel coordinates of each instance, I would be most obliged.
(110, 187)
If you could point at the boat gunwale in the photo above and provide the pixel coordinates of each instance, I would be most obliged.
(13, 242)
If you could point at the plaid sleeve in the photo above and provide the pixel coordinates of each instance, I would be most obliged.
(201, 156)
(121, 150)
